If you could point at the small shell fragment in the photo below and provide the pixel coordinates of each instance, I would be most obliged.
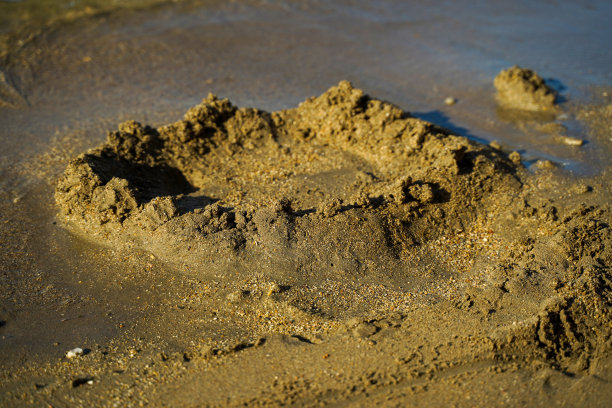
(75, 352)
(572, 141)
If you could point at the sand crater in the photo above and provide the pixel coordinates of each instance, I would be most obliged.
(343, 184)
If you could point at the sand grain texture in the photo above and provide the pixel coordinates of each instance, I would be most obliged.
(341, 252)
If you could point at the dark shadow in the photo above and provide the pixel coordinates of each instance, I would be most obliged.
(189, 203)
(245, 345)
(440, 194)
(301, 338)
(348, 207)
(301, 213)
(81, 381)
(558, 87)
(442, 120)
(147, 181)
(555, 84)
(242, 346)
(374, 202)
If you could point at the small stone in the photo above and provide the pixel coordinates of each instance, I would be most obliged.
(572, 141)
(75, 352)
(450, 101)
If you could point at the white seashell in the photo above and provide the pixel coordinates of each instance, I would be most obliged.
(75, 352)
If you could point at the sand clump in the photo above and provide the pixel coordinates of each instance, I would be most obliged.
(523, 89)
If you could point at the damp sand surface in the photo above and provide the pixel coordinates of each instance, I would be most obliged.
(303, 242)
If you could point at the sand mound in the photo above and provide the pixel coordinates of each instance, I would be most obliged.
(523, 89)
(343, 184)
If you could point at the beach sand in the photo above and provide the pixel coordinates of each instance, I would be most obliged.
(272, 245)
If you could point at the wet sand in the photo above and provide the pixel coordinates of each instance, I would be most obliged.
(319, 267)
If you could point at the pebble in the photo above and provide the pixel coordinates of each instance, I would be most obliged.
(450, 101)
(572, 141)
(75, 352)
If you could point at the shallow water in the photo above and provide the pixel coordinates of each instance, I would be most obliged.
(81, 76)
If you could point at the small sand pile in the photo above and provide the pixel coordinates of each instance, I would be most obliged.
(523, 89)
